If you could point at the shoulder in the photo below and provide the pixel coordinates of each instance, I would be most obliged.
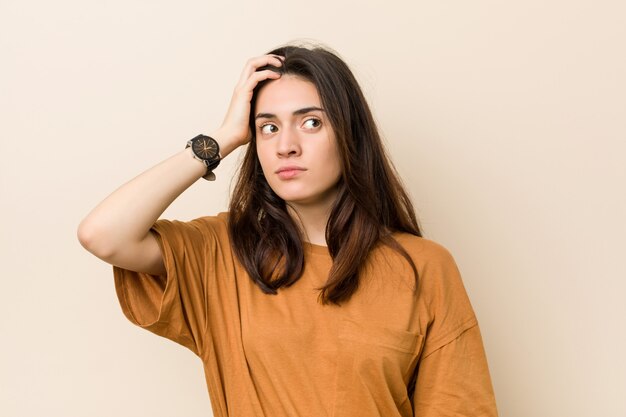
(433, 262)
(424, 251)
(438, 272)
(441, 291)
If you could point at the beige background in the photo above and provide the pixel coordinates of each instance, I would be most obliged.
(506, 120)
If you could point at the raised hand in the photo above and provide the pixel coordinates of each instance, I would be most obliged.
(235, 130)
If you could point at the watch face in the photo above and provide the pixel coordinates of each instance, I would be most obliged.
(205, 147)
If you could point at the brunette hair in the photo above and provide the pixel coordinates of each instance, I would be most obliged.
(371, 202)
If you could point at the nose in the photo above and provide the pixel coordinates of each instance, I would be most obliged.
(288, 144)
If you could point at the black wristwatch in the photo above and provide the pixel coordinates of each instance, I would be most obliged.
(207, 150)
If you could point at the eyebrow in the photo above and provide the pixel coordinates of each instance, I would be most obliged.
(298, 112)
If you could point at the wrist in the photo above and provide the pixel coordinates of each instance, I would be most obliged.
(226, 140)
(206, 150)
(198, 163)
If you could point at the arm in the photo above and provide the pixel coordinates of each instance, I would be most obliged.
(118, 229)
(452, 376)
(454, 380)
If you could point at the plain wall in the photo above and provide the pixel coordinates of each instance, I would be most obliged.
(505, 119)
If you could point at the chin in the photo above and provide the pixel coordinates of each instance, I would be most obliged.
(306, 191)
(306, 197)
(296, 198)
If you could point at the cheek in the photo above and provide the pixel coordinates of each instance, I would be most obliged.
(266, 161)
(334, 161)
(261, 154)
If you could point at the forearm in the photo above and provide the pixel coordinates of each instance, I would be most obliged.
(127, 214)
(125, 217)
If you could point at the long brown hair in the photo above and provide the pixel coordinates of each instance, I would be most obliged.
(371, 202)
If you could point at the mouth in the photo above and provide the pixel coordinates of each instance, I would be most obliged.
(289, 172)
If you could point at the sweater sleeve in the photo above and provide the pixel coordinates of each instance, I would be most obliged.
(454, 380)
(175, 305)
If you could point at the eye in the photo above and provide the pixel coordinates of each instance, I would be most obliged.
(268, 129)
(312, 123)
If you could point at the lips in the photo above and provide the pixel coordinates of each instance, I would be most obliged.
(288, 172)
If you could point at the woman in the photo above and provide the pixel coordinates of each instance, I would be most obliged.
(315, 295)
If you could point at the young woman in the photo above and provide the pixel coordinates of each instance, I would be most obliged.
(315, 294)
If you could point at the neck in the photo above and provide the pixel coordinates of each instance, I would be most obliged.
(312, 221)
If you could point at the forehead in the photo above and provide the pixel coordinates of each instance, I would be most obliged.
(286, 94)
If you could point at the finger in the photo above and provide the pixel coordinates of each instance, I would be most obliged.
(258, 76)
(265, 60)
(257, 62)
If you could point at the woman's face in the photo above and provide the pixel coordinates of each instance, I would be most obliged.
(295, 143)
